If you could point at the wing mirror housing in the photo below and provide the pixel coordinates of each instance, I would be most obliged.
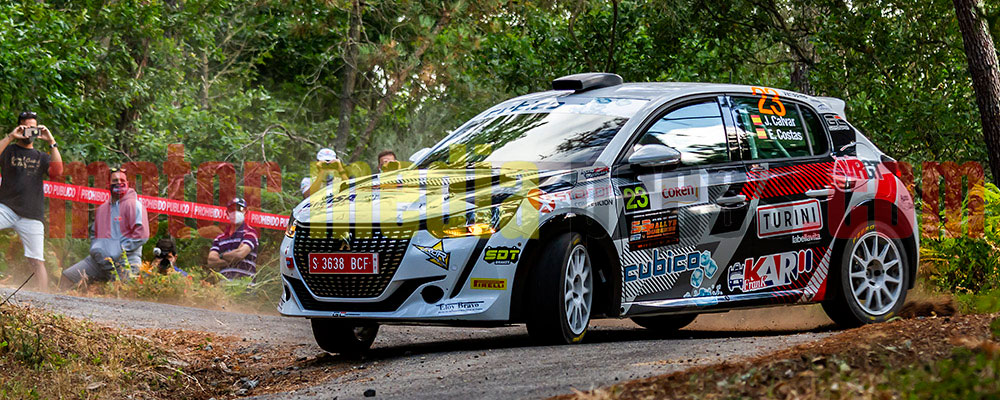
(655, 155)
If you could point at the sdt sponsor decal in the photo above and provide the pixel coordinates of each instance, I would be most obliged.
(789, 218)
(770, 271)
(488, 284)
(668, 264)
(501, 255)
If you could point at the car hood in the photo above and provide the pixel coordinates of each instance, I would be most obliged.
(412, 195)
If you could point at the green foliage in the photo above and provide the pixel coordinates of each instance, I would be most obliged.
(968, 266)
(968, 374)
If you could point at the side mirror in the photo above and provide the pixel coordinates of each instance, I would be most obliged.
(655, 155)
(419, 154)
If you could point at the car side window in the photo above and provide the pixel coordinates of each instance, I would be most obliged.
(695, 130)
(817, 134)
(769, 135)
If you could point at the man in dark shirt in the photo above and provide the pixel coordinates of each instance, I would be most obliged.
(234, 252)
(22, 202)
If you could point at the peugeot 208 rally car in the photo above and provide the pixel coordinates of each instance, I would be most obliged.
(649, 201)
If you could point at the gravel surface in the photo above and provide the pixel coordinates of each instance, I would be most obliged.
(441, 362)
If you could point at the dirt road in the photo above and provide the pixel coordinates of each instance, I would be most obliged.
(435, 362)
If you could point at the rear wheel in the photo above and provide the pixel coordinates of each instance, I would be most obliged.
(348, 338)
(870, 285)
(665, 323)
(561, 291)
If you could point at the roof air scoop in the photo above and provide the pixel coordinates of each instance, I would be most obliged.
(586, 81)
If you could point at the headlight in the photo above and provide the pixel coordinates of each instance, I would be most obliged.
(290, 230)
(478, 222)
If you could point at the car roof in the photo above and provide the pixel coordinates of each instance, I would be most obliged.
(666, 91)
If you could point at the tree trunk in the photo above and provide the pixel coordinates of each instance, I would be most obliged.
(982, 57)
(398, 79)
(349, 78)
(800, 78)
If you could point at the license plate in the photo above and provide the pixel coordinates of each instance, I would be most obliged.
(343, 263)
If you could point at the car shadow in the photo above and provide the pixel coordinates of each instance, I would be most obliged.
(596, 337)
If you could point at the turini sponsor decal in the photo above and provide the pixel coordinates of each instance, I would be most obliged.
(789, 218)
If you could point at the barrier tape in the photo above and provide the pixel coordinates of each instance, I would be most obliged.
(159, 205)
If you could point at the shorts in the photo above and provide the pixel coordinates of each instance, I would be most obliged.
(95, 272)
(31, 232)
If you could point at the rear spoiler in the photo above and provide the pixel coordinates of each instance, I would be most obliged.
(836, 104)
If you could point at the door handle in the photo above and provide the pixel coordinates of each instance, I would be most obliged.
(731, 201)
(824, 192)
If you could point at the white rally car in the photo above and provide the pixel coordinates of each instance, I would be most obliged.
(650, 201)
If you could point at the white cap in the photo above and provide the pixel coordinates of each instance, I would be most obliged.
(305, 184)
(326, 155)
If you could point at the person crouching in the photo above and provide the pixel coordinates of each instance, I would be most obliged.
(120, 226)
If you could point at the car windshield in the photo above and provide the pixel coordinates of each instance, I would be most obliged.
(563, 131)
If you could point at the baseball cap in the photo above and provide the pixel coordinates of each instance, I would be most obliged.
(326, 155)
(305, 184)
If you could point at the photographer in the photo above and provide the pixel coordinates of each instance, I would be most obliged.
(165, 258)
(22, 202)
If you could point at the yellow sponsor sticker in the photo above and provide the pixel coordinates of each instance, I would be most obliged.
(488, 284)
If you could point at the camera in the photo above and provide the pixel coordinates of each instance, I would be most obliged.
(32, 132)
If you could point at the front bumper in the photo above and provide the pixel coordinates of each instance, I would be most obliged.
(408, 275)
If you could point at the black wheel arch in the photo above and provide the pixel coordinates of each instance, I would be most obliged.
(866, 211)
(607, 266)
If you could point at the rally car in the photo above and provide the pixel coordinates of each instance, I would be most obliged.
(603, 199)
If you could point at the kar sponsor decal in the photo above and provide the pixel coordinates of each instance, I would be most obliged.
(668, 263)
(436, 254)
(461, 307)
(789, 218)
(650, 230)
(501, 255)
(488, 284)
(770, 271)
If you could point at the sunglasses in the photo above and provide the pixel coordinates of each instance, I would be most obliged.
(26, 116)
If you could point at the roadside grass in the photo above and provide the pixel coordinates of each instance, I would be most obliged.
(924, 358)
(50, 356)
(201, 288)
(45, 355)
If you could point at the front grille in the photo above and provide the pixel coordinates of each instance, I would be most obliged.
(390, 246)
(391, 303)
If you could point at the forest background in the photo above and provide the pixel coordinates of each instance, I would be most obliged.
(275, 80)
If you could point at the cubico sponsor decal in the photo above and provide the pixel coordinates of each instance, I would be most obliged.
(501, 255)
(770, 270)
(666, 263)
(488, 284)
(596, 172)
(789, 218)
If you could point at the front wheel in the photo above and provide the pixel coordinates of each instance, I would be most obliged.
(870, 285)
(561, 291)
(347, 338)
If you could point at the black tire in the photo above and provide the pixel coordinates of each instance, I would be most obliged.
(548, 321)
(347, 338)
(848, 309)
(665, 323)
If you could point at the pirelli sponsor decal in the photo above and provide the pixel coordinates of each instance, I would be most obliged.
(789, 218)
(488, 284)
